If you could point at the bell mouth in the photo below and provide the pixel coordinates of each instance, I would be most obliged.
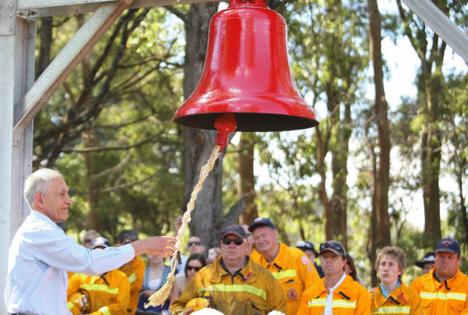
(250, 121)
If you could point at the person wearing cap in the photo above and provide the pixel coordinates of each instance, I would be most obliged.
(134, 269)
(392, 296)
(427, 263)
(233, 284)
(290, 266)
(107, 293)
(444, 289)
(309, 249)
(41, 253)
(88, 237)
(336, 293)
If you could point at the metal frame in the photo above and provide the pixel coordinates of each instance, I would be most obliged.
(21, 98)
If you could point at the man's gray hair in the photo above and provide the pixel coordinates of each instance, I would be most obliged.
(39, 182)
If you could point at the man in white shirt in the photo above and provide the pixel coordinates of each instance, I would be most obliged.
(41, 253)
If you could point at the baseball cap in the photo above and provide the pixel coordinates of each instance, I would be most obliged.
(429, 258)
(332, 246)
(306, 245)
(127, 236)
(100, 242)
(89, 236)
(235, 229)
(449, 245)
(259, 222)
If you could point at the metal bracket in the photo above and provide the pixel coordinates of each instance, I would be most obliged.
(7, 17)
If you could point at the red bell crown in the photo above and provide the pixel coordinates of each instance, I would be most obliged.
(246, 74)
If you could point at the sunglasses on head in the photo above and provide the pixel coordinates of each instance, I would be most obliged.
(332, 245)
(196, 268)
(237, 241)
(194, 244)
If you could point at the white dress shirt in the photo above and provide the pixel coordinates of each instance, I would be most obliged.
(40, 256)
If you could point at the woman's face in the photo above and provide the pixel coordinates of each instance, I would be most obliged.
(155, 260)
(193, 266)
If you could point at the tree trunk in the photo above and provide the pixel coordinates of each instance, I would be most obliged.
(430, 84)
(382, 181)
(198, 143)
(92, 219)
(246, 176)
(45, 39)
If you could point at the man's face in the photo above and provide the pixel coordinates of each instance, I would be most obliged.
(332, 264)
(265, 238)
(446, 264)
(55, 202)
(233, 249)
(388, 270)
(195, 246)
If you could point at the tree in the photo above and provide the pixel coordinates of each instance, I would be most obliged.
(330, 60)
(380, 236)
(431, 51)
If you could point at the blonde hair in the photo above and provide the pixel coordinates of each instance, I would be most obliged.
(395, 252)
(39, 182)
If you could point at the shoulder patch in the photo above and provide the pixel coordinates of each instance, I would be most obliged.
(305, 260)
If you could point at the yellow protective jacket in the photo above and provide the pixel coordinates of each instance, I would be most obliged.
(293, 270)
(135, 271)
(350, 298)
(402, 300)
(447, 298)
(107, 294)
(251, 291)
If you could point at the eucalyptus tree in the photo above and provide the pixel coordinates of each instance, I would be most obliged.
(430, 50)
(329, 53)
(108, 128)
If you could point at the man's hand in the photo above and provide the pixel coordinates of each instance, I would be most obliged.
(157, 245)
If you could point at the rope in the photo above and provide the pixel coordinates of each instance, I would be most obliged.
(160, 296)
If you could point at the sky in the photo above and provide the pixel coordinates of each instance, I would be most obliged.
(402, 63)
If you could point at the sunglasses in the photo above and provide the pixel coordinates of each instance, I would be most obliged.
(196, 268)
(193, 244)
(237, 241)
(332, 245)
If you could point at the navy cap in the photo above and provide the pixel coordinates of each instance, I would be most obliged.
(127, 236)
(429, 258)
(235, 229)
(333, 246)
(306, 245)
(448, 245)
(259, 222)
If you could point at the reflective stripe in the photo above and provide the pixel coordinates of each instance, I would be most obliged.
(393, 310)
(100, 287)
(289, 273)
(235, 288)
(70, 305)
(458, 296)
(105, 310)
(132, 278)
(335, 304)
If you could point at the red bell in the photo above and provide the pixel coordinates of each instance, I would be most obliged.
(246, 74)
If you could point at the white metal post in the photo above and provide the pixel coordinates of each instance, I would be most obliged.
(17, 38)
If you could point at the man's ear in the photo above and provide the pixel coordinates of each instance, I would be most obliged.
(38, 199)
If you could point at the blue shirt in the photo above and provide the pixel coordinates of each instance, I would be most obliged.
(40, 256)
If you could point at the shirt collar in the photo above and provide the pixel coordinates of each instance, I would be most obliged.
(42, 217)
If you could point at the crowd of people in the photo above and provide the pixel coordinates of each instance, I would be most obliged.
(250, 271)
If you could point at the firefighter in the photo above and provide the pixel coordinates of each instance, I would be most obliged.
(108, 293)
(336, 293)
(233, 284)
(392, 296)
(134, 269)
(290, 266)
(444, 289)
